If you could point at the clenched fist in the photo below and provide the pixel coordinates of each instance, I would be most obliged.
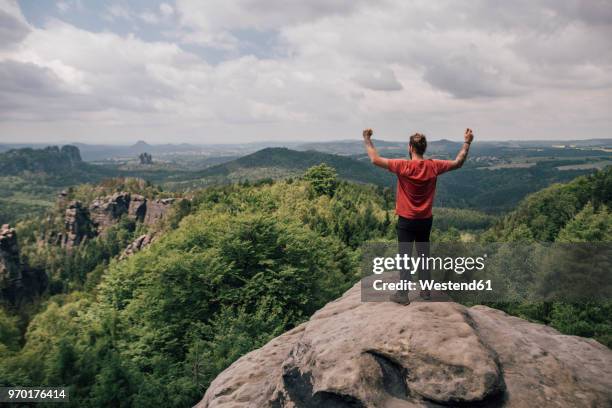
(468, 136)
(367, 133)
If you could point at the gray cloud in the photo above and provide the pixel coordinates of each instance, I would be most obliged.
(28, 78)
(471, 82)
(379, 80)
(12, 29)
(300, 68)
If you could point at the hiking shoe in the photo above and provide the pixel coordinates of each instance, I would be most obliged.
(401, 297)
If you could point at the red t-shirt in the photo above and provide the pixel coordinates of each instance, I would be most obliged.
(416, 185)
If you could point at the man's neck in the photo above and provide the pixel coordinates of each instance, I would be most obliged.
(417, 157)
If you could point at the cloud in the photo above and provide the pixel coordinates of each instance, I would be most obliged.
(13, 25)
(118, 11)
(149, 17)
(293, 69)
(378, 80)
(166, 9)
(214, 22)
(63, 6)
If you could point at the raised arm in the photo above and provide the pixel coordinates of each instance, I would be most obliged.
(468, 137)
(372, 153)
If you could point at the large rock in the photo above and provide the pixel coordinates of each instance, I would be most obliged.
(427, 354)
(157, 209)
(77, 225)
(137, 245)
(106, 211)
(138, 207)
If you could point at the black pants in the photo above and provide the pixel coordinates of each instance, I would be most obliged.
(415, 231)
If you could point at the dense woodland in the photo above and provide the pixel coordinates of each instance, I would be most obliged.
(237, 265)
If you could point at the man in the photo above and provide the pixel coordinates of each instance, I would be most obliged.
(416, 187)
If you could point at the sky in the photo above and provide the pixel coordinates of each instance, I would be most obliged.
(220, 71)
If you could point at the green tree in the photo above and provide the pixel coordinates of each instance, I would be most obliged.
(323, 178)
(589, 225)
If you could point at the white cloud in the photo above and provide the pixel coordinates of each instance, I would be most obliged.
(118, 11)
(378, 80)
(166, 9)
(149, 17)
(338, 65)
(63, 6)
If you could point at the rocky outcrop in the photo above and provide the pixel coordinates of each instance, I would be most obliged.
(426, 354)
(77, 224)
(106, 211)
(51, 160)
(71, 153)
(137, 245)
(18, 282)
(138, 207)
(81, 223)
(10, 268)
(145, 158)
(156, 209)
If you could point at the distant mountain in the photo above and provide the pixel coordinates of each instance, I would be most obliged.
(47, 160)
(280, 162)
(351, 147)
(105, 152)
(445, 148)
(57, 166)
(471, 187)
(140, 145)
(355, 147)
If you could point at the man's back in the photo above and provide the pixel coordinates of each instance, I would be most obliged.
(416, 185)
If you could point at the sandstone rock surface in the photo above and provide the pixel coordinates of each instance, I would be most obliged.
(426, 354)
(106, 211)
(137, 245)
(156, 209)
(83, 222)
(77, 225)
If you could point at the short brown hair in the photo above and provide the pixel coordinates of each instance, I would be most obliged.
(418, 143)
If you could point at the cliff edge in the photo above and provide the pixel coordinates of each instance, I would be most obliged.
(427, 354)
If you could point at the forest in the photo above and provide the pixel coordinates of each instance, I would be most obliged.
(233, 266)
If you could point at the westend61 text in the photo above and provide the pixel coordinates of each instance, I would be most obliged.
(404, 262)
(474, 285)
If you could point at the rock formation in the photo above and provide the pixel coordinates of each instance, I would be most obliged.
(138, 207)
(137, 245)
(145, 158)
(77, 224)
(51, 160)
(106, 211)
(81, 223)
(10, 270)
(72, 153)
(18, 282)
(156, 209)
(426, 354)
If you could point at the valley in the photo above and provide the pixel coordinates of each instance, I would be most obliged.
(145, 280)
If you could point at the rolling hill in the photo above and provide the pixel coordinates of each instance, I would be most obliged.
(472, 187)
(280, 162)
